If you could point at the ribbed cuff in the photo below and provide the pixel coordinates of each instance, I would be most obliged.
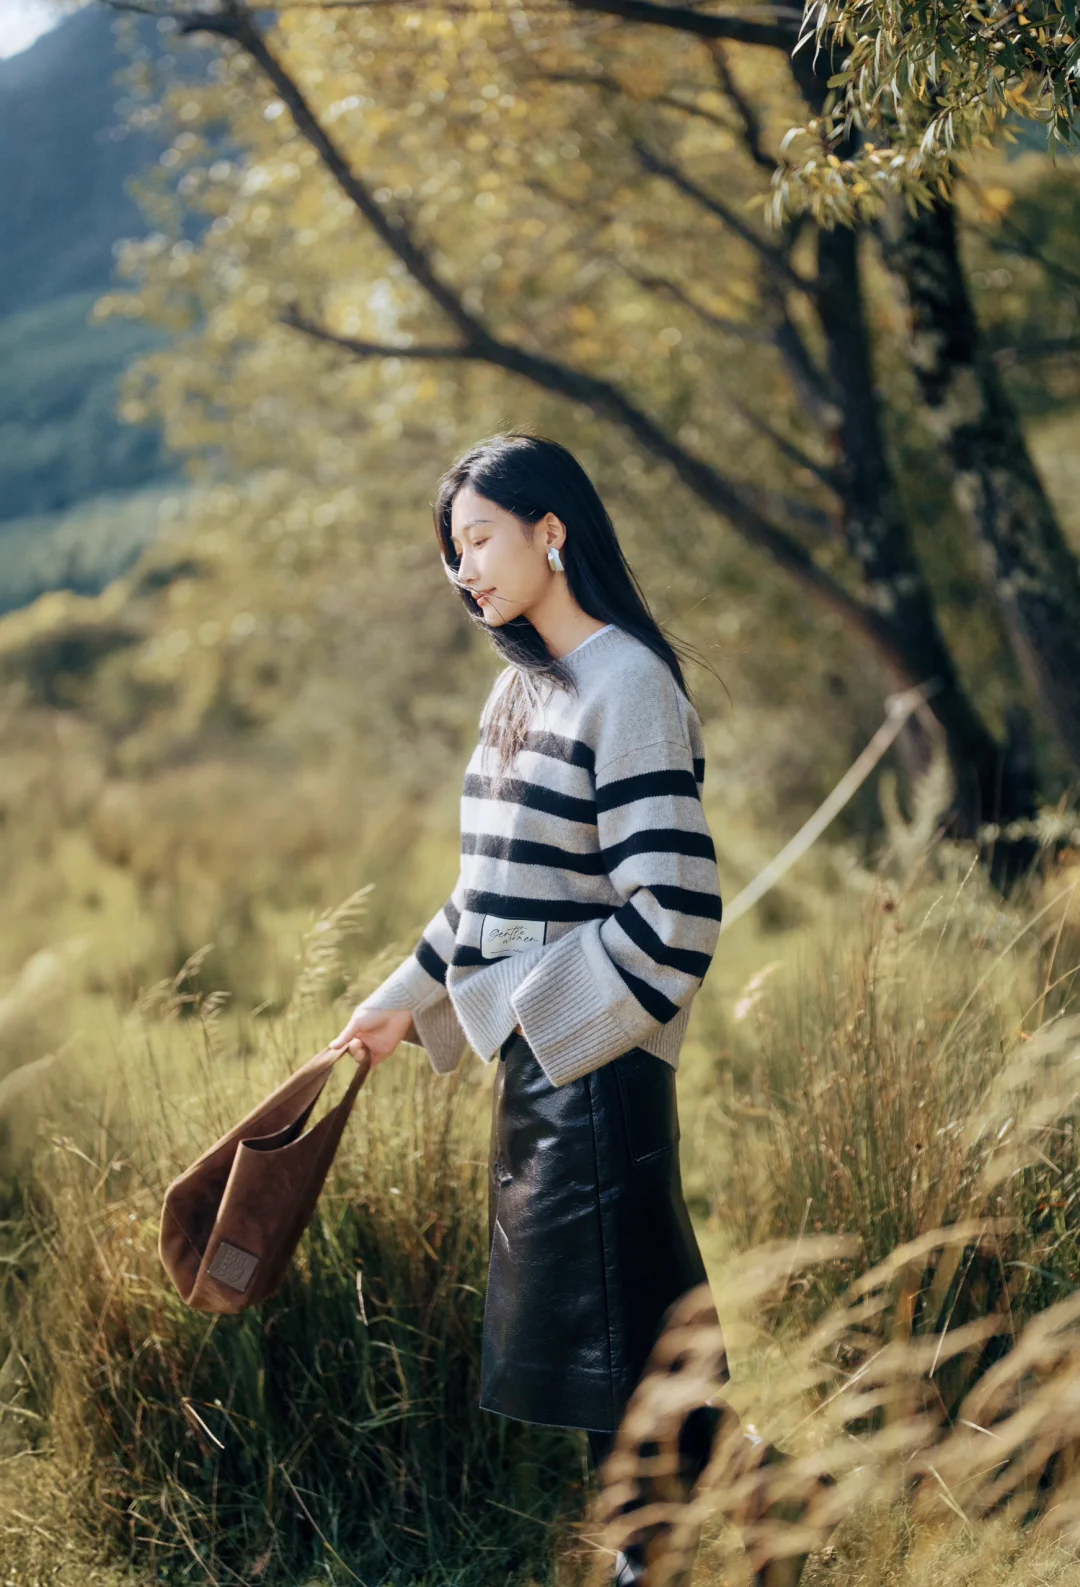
(482, 998)
(566, 1018)
(411, 987)
(440, 1034)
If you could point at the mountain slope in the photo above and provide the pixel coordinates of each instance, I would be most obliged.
(60, 439)
(64, 161)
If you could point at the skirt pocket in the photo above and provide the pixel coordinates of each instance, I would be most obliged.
(650, 1112)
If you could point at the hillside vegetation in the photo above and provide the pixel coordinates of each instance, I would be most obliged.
(62, 439)
(67, 159)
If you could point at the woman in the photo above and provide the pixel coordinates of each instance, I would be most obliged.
(584, 919)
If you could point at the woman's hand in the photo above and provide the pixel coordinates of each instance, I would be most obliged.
(377, 1029)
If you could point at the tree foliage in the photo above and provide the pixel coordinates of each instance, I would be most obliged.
(919, 83)
(426, 215)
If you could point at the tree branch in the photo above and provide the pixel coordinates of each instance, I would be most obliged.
(611, 85)
(298, 321)
(701, 478)
(777, 502)
(1030, 352)
(777, 264)
(809, 381)
(774, 27)
(813, 385)
(767, 501)
(788, 449)
(810, 384)
(716, 322)
(747, 114)
(139, 8)
(1017, 241)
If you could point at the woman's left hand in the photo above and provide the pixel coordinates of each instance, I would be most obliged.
(378, 1030)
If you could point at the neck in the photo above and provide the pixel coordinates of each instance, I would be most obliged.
(560, 621)
(568, 636)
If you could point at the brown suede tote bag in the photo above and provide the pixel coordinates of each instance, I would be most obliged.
(231, 1222)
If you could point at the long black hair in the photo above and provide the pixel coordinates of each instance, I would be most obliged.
(528, 475)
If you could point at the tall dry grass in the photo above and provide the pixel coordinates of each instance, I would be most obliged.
(857, 1423)
(847, 1101)
(891, 1153)
(899, 1185)
(334, 1430)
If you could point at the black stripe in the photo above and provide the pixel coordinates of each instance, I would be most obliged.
(452, 913)
(432, 962)
(515, 790)
(699, 768)
(661, 840)
(557, 746)
(642, 935)
(470, 956)
(652, 1001)
(687, 900)
(647, 785)
(524, 852)
(513, 908)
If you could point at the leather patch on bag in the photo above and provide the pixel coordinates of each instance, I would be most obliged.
(499, 936)
(232, 1266)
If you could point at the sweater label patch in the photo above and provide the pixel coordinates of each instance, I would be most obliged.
(499, 936)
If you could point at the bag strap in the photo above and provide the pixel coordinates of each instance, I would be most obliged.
(329, 1057)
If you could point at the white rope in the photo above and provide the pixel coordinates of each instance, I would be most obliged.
(898, 707)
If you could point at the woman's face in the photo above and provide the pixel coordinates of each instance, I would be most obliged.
(506, 572)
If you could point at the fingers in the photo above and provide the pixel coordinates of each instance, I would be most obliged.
(379, 1024)
(375, 1033)
(375, 1055)
(347, 1034)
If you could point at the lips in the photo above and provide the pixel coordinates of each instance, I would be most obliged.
(481, 595)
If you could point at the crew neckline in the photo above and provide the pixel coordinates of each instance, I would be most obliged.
(589, 639)
(598, 643)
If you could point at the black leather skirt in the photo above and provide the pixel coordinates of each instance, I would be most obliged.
(591, 1242)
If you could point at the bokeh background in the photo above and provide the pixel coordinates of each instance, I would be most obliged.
(238, 695)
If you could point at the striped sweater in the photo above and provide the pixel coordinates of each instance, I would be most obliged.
(587, 906)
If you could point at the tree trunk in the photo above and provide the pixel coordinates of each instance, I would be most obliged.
(1031, 569)
(880, 542)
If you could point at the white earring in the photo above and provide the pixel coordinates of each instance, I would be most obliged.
(555, 562)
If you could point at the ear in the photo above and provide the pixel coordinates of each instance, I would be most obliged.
(554, 531)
